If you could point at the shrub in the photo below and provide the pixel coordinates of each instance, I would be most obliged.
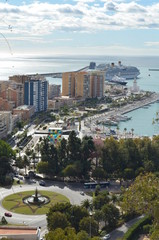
(147, 228)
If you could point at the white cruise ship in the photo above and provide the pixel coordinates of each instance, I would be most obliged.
(127, 72)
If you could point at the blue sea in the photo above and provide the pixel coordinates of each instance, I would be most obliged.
(142, 118)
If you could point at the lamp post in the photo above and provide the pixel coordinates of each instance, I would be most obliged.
(90, 226)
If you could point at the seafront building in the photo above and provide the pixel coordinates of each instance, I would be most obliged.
(54, 91)
(5, 123)
(83, 84)
(36, 94)
(20, 78)
(11, 92)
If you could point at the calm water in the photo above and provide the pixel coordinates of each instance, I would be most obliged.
(142, 118)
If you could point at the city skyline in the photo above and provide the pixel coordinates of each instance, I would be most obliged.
(79, 27)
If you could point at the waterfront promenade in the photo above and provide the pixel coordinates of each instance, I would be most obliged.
(125, 109)
(91, 122)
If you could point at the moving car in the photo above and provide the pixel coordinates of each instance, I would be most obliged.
(7, 214)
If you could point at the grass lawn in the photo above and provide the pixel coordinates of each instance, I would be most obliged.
(14, 202)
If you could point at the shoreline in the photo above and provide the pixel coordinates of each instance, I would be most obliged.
(154, 97)
(127, 108)
(149, 100)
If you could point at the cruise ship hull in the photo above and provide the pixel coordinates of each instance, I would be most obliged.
(111, 70)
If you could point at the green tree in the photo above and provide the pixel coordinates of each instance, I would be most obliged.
(49, 155)
(87, 148)
(88, 224)
(25, 162)
(43, 167)
(98, 216)
(87, 204)
(98, 173)
(57, 220)
(73, 148)
(142, 196)
(73, 213)
(82, 235)
(70, 171)
(76, 214)
(128, 173)
(62, 154)
(110, 215)
(110, 156)
(100, 200)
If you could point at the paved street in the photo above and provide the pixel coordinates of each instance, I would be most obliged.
(39, 220)
(119, 232)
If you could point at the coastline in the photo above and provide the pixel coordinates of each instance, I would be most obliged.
(127, 108)
(91, 122)
(139, 104)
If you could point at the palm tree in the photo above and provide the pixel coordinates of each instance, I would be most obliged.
(117, 130)
(57, 119)
(125, 129)
(37, 148)
(87, 204)
(33, 155)
(25, 162)
(132, 132)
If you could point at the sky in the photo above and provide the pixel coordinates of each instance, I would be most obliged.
(79, 27)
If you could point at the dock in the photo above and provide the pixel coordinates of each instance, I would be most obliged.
(125, 109)
(154, 69)
(56, 74)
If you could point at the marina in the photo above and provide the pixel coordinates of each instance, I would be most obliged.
(126, 116)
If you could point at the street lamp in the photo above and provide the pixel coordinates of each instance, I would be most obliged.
(90, 227)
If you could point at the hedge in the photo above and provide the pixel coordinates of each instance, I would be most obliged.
(136, 228)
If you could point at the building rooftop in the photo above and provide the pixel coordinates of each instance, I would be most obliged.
(17, 230)
(23, 107)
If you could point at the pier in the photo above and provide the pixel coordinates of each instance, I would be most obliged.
(154, 69)
(56, 74)
(125, 109)
(53, 75)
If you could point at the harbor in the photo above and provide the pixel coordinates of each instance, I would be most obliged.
(118, 115)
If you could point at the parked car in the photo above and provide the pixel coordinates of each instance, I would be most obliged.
(82, 193)
(32, 181)
(42, 183)
(26, 176)
(7, 214)
(107, 236)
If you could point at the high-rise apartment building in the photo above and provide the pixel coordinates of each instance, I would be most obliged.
(83, 84)
(68, 84)
(36, 94)
(20, 78)
(5, 123)
(54, 91)
(12, 92)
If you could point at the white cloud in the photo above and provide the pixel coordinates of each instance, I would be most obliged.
(85, 1)
(152, 44)
(39, 19)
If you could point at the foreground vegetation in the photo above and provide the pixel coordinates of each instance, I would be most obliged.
(122, 159)
(83, 221)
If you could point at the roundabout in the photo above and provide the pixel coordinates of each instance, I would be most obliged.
(32, 202)
(29, 219)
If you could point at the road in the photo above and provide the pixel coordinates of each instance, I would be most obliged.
(40, 220)
(119, 232)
